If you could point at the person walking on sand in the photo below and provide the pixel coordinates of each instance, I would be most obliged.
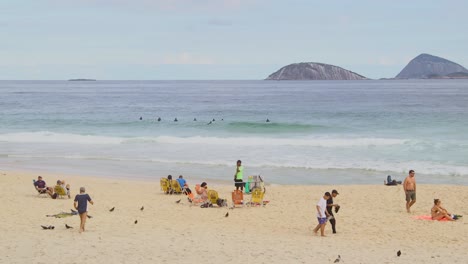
(322, 214)
(409, 186)
(81, 204)
(330, 206)
(239, 176)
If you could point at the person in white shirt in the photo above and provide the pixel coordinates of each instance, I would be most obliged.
(322, 214)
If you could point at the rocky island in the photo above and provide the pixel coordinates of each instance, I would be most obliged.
(314, 71)
(426, 66)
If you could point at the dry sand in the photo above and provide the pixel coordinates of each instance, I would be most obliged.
(372, 225)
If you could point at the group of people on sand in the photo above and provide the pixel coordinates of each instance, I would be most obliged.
(42, 187)
(80, 202)
(325, 212)
(437, 212)
(201, 190)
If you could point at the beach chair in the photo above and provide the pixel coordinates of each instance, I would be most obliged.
(175, 187)
(257, 182)
(257, 197)
(237, 198)
(42, 193)
(60, 191)
(213, 196)
(165, 186)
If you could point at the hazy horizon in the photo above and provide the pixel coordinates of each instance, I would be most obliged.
(221, 39)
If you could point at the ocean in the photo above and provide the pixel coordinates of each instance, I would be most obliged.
(319, 132)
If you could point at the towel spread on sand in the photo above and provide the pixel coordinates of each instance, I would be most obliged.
(426, 217)
(62, 215)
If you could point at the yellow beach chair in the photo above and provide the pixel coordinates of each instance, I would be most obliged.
(165, 186)
(176, 188)
(60, 191)
(213, 196)
(257, 197)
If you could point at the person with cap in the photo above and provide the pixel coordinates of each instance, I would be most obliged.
(330, 206)
(322, 214)
(81, 204)
(239, 176)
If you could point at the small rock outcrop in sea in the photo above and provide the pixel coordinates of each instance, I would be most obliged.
(426, 66)
(314, 71)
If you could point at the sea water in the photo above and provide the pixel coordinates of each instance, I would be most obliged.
(320, 132)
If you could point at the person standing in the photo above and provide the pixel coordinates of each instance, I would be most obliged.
(239, 176)
(81, 204)
(409, 186)
(322, 214)
(330, 206)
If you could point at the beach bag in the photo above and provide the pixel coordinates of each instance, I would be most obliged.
(221, 202)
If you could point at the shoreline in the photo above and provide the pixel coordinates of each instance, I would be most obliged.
(372, 217)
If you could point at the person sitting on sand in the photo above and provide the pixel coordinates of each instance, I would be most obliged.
(202, 193)
(183, 184)
(66, 187)
(169, 189)
(438, 212)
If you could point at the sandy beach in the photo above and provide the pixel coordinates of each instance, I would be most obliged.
(372, 225)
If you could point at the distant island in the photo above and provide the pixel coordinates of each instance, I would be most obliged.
(81, 80)
(314, 71)
(426, 66)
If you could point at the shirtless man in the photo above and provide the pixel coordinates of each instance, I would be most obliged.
(409, 186)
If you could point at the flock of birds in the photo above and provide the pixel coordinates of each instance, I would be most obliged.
(338, 259)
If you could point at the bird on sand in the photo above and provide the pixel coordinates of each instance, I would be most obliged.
(337, 259)
(142, 208)
(112, 209)
(398, 253)
(178, 201)
(51, 227)
(67, 226)
(136, 222)
(227, 214)
(45, 227)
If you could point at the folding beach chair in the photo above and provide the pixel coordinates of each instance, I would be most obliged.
(165, 186)
(176, 188)
(60, 191)
(257, 197)
(213, 196)
(256, 182)
(237, 198)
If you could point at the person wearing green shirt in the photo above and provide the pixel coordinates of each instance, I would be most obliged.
(238, 177)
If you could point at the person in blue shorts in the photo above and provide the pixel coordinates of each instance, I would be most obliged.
(322, 214)
(81, 204)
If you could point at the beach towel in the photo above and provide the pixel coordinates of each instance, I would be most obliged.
(62, 214)
(427, 217)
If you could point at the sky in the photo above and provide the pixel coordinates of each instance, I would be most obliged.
(222, 39)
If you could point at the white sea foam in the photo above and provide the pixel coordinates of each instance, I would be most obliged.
(50, 137)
